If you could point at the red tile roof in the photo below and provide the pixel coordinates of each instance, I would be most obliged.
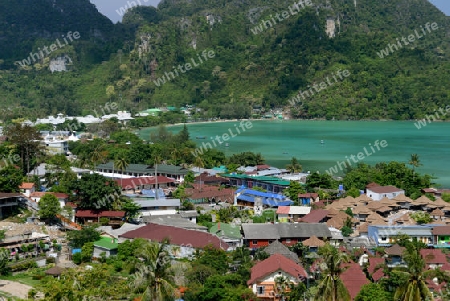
(315, 216)
(353, 279)
(210, 192)
(205, 177)
(71, 204)
(275, 263)
(177, 236)
(59, 195)
(308, 195)
(374, 263)
(132, 183)
(395, 250)
(98, 214)
(283, 209)
(262, 167)
(433, 256)
(441, 230)
(26, 186)
(378, 275)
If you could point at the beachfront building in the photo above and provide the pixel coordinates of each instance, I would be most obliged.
(292, 213)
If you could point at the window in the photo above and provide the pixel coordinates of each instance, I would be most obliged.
(288, 240)
(270, 241)
(383, 238)
(260, 290)
(254, 242)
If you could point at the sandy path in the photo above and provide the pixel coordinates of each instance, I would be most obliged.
(14, 288)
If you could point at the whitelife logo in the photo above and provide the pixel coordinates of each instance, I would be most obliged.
(53, 47)
(359, 157)
(244, 125)
(170, 75)
(406, 41)
(428, 118)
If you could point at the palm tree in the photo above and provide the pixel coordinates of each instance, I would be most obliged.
(154, 278)
(331, 287)
(416, 288)
(282, 283)
(294, 166)
(414, 161)
(121, 163)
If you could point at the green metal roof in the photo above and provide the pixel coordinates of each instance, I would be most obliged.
(106, 243)
(230, 231)
(146, 169)
(266, 179)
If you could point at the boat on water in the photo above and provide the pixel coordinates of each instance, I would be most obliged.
(227, 145)
(322, 142)
(200, 137)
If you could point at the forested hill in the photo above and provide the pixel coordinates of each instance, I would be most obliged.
(253, 63)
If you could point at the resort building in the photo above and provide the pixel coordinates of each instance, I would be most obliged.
(376, 192)
(246, 198)
(292, 213)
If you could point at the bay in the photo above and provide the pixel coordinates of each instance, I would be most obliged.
(280, 140)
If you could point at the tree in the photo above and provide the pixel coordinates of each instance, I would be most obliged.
(282, 283)
(49, 206)
(294, 166)
(27, 141)
(331, 287)
(129, 206)
(4, 260)
(446, 197)
(353, 192)
(421, 217)
(373, 292)
(94, 191)
(215, 258)
(78, 238)
(86, 252)
(294, 189)
(189, 178)
(153, 279)
(121, 163)
(10, 179)
(416, 287)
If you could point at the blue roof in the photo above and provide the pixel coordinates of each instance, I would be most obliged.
(76, 251)
(269, 199)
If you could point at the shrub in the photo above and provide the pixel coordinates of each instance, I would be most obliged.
(76, 258)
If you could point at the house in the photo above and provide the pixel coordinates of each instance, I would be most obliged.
(184, 242)
(441, 236)
(190, 215)
(207, 179)
(152, 207)
(245, 198)
(316, 216)
(63, 198)
(375, 268)
(139, 170)
(93, 216)
(265, 273)
(278, 248)
(354, 279)
(229, 233)
(27, 188)
(292, 213)
(314, 243)
(378, 192)
(201, 194)
(394, 256)
(261, 235)
(387, 235)
(308, 198)
(9, 202)
(140, 184)
(434, 258)
(270, 184)
(106, 245)
(173, 220)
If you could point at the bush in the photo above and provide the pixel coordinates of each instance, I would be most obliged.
(50, 259)
(24, 266)
(104, 221)
(76, 258)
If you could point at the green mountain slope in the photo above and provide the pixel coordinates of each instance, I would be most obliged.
(247, 70)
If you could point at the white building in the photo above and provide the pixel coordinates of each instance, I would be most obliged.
(376, 193)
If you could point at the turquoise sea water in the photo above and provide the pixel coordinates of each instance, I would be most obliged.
(280, 140)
